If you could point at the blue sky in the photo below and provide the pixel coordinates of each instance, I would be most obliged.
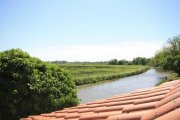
(88, 30)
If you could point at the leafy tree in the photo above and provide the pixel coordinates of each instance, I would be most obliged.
(140, 61)
(123, 62)
(30, 86)
(172, 58)
(158, 59)
(136, 61)
(113, 62)
(169, 57)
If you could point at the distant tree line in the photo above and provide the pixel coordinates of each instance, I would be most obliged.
(59, 62)
(141, 61)
(77, 62)
(135, 61)
(169, 56)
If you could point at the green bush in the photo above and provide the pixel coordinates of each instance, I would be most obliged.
(30, 86)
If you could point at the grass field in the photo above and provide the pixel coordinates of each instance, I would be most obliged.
(92, 73)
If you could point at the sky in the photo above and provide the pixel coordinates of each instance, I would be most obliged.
(88, 30)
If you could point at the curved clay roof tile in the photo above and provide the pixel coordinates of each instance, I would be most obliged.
(168, 99)
(164, 109)
(174, 115)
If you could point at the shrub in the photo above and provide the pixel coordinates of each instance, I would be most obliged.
(30, 86)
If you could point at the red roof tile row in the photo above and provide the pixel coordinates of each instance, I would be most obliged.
(159, 103)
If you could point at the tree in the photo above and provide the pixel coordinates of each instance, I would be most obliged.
(172, 58)
(30, 86)
(140, 61)
(135, 61)
(113, 62)
(158, 58)
(169, 57)
(123, 62)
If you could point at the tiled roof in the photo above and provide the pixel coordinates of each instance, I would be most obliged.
(159, 103)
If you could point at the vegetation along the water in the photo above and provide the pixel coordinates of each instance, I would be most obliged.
(92, 73)
(168, 58)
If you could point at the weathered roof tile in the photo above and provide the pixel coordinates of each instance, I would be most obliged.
(173, 115)
(144, 106)
(162, 110)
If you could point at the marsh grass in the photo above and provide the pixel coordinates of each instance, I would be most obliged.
(92, 73)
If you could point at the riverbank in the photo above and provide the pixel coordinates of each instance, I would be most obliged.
(170, 77)
(93, 73)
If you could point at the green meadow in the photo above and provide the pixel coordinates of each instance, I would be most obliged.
(92, 73)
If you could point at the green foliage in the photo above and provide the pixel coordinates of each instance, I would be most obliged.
(78, 62)
(169, 57)
(140, 61)
(92, 73)
(135, 61)
(123, 62)
(30, 86)
(158, 59)
(113, 62)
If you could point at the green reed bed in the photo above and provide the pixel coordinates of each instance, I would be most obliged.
(92, 73)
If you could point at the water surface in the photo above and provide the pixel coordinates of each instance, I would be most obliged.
(107, 89)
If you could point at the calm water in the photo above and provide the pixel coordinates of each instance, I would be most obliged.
(107, 89)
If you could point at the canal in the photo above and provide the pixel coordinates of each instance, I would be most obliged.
(109, 88)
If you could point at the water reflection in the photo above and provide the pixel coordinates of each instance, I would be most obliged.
(107, 89)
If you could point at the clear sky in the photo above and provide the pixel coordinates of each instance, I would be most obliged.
(88, 30)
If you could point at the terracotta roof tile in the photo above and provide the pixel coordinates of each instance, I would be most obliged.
(168, 99)
(72, 115)
(120, 103)
(144, 106)
(162, 110)
(159, 102)
(113, 108)
(25, 119)
(85, 110)
(60, 115)
(174, 90)
(149, 99)
(99, 115)
(173, 115)
(126, 116)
